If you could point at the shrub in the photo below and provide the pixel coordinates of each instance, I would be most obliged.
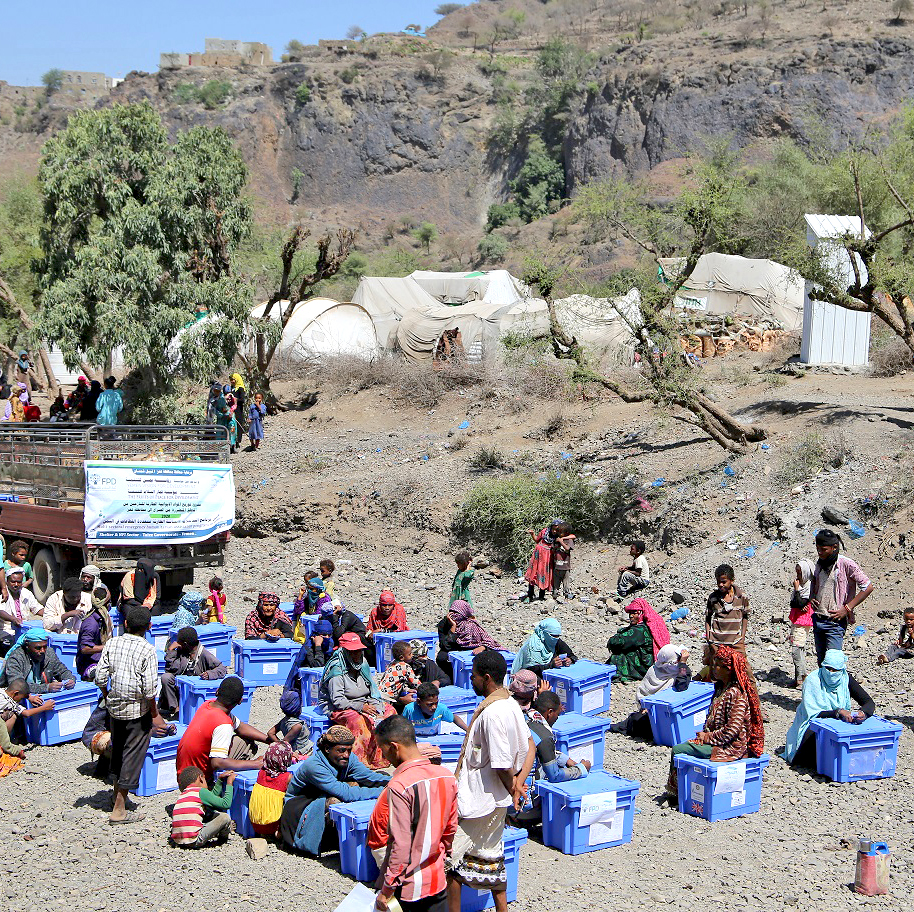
(303, 94)
(445, 9)
(500, 214)
(889, 356)
(487, 458)
(426, 234)
(355, 267)
(215, 93)
(810, 455)
(184, 93)
(349, 75)
(493, 248)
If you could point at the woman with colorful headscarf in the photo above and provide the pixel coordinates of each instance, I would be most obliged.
(427, 670)
(388, 616)
(543, 649)
(634, 648)
(539, 570)
(734, 728)
(827, 694)
(268, 792)
(15, 410)
(266, 621)
(188, 612)
(225, 418)
(240, 393)
(467, 631)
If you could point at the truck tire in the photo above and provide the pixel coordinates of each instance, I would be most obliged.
(46, 570)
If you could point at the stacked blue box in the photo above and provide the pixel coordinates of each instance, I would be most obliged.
(462, 665)
(194, 692)
(217, 638)
(719, 791)
(477, 900)
(848, 753)
(159, 773)
(585, 687)
(676, 717)
(585, 815)
(581, 737)
(351, 822)
(310, 683)
(461, 702)
(263, 662)
(450, 746)
(160, 660)
(384, 643)
(64, 644)
(317, 722)
(159, 631)
(66, 721)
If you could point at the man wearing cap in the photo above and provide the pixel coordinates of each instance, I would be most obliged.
(186, 656)
(838, 587)
(331, 774)
(65, 609)
(39, 666)
(20, 606)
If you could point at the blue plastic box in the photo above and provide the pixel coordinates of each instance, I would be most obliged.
(194, 692)
(64, 644)
(159, 632)
(462, 665)
(561, 807)
(159, 773)
(450, 745)
(66, 721)
(581, 737)
(317, 722)
(351, 822)
(585, 687)
(217, 638)
(461, 702)
(265, 663)
(477, 900)
(310, 684)
(307, 621)
(241, 799)
(697, 781)
(848, 753)
(678, 717)
(160, 659)
(384, 643)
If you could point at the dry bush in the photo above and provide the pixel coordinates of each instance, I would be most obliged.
(889, 356)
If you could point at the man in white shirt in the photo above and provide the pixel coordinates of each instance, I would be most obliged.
(497, 757)
(20, 606)
(65, 609)
(638, 575)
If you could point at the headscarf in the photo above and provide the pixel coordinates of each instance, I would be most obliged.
(337, 665)
(192, 601)
(100, 607)
(395, 617)
(662, 673)
(419, 648)
(824, 691)
(539, 647)
(94, 572)
(802, 612)
(523, 686)
(469, 633)
(277, 759)
(323, 628)
(264, 599)
(30, 635)
(143, 578)
(742, 675)
(336, 735)
(237, 381)
(807, 571)
(290, 701)
(641, 612)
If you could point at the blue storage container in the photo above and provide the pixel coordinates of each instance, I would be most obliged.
(307, 621)
(317, 722)
(117, 621)
(477, 900)
(678, 717)
(64, 644)
(585, 687)
(384, 643)
(562, 809)
(698, 782)
(450, 745)
(265, 663)
(581, 737)
(217, 638)
(160, 660)
(310, 684)
(159, 773)
(461, 702)
(847, 753)
(241, 799)
(66, 721)
(462, 665)
(194, 692)
(159, 631)
(351, 821)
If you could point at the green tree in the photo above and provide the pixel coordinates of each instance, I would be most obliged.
(426, 234)
(445, 9)
(303, 94)
(138, 238)
(493, 248)
(540, 180)
(500, 214)
(52, 80)
(215, 93)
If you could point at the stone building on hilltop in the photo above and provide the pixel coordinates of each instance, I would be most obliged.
(220, 52)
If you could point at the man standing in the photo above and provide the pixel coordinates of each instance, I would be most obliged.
(127, 675)
(496, 759)
(413, 823)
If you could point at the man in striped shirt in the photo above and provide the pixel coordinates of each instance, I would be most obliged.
(415, 819)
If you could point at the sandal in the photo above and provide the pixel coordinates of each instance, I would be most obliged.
(130, 817)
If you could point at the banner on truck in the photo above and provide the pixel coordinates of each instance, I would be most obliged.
(157, 503)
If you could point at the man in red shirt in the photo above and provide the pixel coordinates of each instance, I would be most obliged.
(215, 740)
(414, 820)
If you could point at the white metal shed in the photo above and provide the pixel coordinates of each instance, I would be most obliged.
(834, 335)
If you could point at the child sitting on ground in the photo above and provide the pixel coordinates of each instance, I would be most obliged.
(187, 827)
(399, 682)
(18, 553)
(637, 575)
(903, 647)
(214, 604)
(290, 728)
(265, 805)
(11, 711)
(428, 712)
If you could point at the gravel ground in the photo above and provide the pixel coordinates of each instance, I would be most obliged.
(322, 488)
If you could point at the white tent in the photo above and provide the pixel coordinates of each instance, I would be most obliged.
(479, 324)
(760, 290)
(495, 287)
(387, 301)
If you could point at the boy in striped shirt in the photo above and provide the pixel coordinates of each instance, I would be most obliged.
(414, 823)
(187, 827)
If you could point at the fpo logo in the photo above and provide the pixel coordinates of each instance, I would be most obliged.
(101, 481)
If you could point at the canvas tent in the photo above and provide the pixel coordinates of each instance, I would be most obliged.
(497, 287)
(725, 285)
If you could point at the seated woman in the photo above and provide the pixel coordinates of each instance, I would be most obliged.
(332, 773)
(734, 729)
(670, 670)
(388, 616)
(266, 621)
(634, 648)
(468, 633)
(427, 670)
(827, 694)
(141, 587)
(543, 649)
(350, 697)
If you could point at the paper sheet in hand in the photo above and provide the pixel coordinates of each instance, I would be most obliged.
(591, 700)
(72, 721)
(700, 718)
(597, 808)
(582, 752)
(730, 778)
(360, 899)
(606, 832)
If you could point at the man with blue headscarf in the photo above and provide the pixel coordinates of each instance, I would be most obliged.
(31, 660)
(827, 694)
